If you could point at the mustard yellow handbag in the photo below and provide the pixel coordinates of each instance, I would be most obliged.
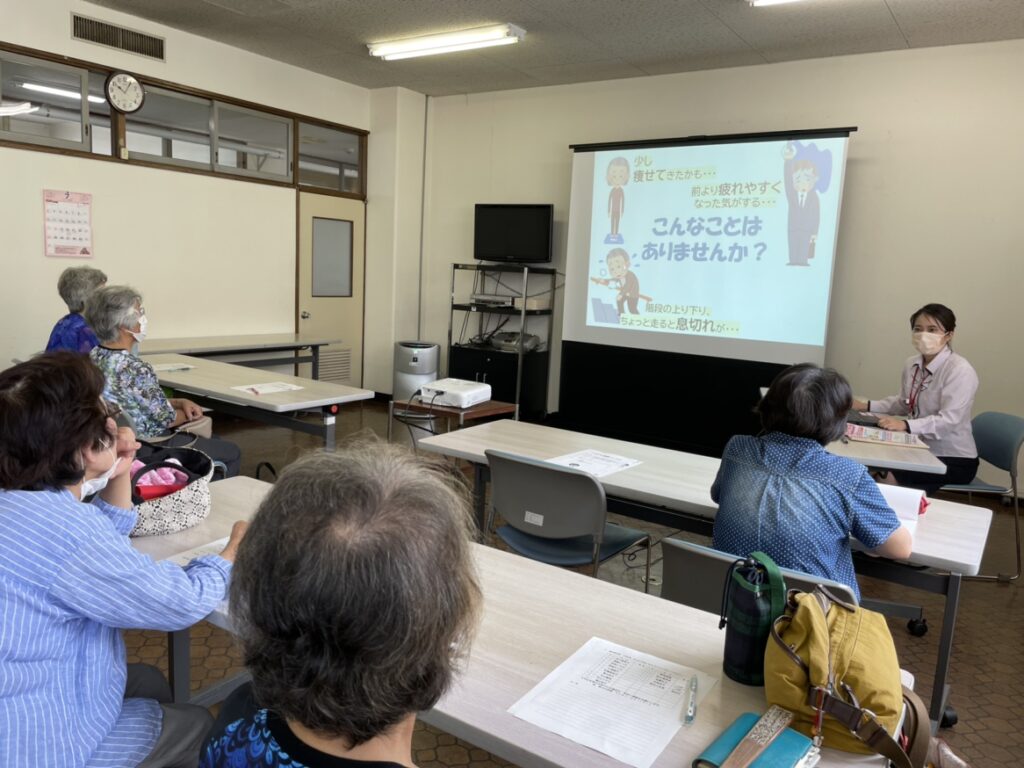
(834, 666)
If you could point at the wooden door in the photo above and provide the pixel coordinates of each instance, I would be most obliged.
(330, 282)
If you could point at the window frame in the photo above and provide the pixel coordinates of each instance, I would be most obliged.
(118, 123)
(173, 161)
(85, 143)
(289, 124)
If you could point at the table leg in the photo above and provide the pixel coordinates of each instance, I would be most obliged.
(179, 667)
(329, 420)
(941, 690)
(391, 416)
(481, 474)
(316, 361)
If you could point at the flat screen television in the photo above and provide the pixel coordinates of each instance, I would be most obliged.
(513, 233)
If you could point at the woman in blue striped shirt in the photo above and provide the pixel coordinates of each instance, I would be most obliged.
(70, 581)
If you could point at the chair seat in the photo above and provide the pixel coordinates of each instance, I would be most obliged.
(976, 486)
(570, 552)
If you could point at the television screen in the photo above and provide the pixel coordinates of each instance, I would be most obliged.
(514, 233)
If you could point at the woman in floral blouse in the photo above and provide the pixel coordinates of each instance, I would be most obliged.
(116, 315)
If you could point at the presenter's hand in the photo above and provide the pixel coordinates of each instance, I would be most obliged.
(890, 423)
(814, 238)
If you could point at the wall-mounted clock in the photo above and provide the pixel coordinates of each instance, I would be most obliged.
(124, 92)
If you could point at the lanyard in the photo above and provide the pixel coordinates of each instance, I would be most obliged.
(916, 389)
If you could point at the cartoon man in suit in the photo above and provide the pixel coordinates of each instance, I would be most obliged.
(622, 278)
(617, 177)
(801, 179)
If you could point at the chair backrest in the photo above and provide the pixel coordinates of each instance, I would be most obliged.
(999, 437)
(694, 575)
(545, 499)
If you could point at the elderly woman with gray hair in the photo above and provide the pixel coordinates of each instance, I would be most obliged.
(354, 598)
(71, 332)
(119, 321)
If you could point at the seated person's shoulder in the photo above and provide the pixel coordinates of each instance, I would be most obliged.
(843, 471)
(741, 445)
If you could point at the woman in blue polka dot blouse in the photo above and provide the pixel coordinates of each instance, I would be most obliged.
(782, 493)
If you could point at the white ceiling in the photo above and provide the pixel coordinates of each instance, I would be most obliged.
(571, 41)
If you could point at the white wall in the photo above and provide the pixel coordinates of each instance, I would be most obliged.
(202, 250)
(930, 207)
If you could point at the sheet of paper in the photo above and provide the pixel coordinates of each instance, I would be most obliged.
(596, 463)
(621, 702)
(173, 367)
(269, 388)
(186, 557)
(907, 503)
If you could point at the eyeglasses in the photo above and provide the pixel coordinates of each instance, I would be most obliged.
(113, 410)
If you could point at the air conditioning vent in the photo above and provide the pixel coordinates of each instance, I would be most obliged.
(121, 38)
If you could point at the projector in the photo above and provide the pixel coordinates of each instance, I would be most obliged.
(456, 393)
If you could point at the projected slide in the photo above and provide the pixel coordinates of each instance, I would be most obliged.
(731, 241)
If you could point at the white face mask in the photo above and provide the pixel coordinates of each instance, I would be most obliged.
(928, 343)
(97, 484)
(140, 335)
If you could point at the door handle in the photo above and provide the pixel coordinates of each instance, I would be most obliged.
(305, 315)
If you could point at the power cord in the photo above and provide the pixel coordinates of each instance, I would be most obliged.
(629, 556)
(417, 419)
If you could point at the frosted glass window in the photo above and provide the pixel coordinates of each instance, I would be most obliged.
(332, 257)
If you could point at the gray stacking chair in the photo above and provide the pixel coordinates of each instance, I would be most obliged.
(999, 437)
(557, 515)
(694, 575)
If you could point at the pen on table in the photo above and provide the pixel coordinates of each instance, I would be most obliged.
(254, 390)
(691, 702)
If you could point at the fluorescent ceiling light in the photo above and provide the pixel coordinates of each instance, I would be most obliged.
(757, 3)
(66, 93)
(21, 108)
(448, 42)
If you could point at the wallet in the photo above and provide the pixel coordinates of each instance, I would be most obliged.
(789, 749)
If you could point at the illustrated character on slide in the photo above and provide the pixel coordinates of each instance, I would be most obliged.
(623, 279)
(801, 179)
(618, 177)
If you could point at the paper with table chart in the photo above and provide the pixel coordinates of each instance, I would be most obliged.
(596, 463)
(621, 702)
(186, 557)
(268, 388)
